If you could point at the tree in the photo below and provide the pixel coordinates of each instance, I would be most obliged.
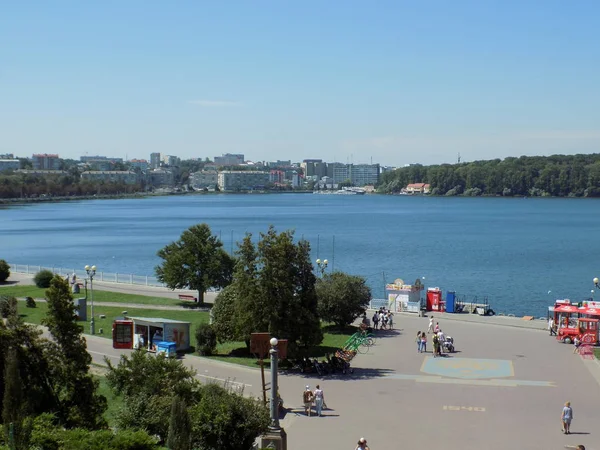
(4, 271)
(196, 261)
(148, 385)
(224, 420)
(14, 407)
(223, 313)
(43, 278)
(81, 405)
(179, 426)
(274, 290)
(342, 297)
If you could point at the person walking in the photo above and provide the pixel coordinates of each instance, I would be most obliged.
(551, 328)
(319, 400)
(576, 343)
(430, 329)
(423, 342)
(436, 345)
(441, 339)
(307, 399)
(437, 327)
(418, 341)
(390, 320)
(375, 320)
(362, 444)
(566, 417)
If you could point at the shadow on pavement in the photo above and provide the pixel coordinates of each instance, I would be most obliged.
(358, 374)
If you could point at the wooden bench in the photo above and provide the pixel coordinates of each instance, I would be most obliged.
(187, 297)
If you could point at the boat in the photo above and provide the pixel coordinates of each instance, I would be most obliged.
(343, 191)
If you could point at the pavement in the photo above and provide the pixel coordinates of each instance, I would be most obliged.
(504, 388)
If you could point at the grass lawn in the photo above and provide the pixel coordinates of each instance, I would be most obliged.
(237, 353)
(35, 315)
(597, 353)
(99, 296)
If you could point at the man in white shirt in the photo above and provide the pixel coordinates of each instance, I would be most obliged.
(430, 329)
(441, 338)
(551, 327)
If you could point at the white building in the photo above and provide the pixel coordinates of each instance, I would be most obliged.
(233, 180)
(229, 159)
(112, 176)
(9, 164)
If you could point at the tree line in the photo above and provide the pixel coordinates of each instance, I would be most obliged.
(61, 185)
(531, 176)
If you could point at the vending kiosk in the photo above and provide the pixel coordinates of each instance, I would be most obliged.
(434, 300)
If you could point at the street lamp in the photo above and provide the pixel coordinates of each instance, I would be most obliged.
(276, 437)
(274, 397)
(596, 281)
(91, 271)
(322, 266)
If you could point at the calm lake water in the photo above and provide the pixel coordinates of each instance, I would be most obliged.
(511, 250)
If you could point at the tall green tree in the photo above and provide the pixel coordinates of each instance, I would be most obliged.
(179, 427)
(80, 404)
(196, 261)
(342, 297)
(14, 407)
(274, 290)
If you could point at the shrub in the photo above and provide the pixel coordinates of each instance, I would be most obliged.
(30, 302)
(8, 306)
(206, 339)
(42, 278)
(4, 271)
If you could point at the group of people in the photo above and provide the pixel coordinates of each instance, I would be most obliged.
(437, 339)
(316, 398)
(383, 319)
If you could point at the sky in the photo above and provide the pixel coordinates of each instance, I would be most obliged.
(395, 82)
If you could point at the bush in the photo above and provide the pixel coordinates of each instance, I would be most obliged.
(30, 302)
(42, 278)
(206, 339)
(4, 271)
(8, 306)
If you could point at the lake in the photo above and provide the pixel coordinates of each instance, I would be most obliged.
(520, 253)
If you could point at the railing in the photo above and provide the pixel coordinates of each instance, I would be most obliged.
(81, 274)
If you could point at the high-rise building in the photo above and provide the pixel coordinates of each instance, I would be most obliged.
(142, 164)
(154, 160)
(233, 180)
(45, 162)
(364, 174)
(9, 164)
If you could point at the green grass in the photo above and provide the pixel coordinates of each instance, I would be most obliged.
(35, 315)
(99, 296)
(597, 353)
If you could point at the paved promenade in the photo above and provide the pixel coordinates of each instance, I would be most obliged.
(503, 389)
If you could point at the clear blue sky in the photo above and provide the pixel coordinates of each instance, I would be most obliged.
(399, 82)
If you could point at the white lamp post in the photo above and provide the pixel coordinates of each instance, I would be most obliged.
(596, 282)
(91, 271)
(322, 265)
(276, 437)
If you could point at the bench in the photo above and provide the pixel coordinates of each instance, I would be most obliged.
(187, 297)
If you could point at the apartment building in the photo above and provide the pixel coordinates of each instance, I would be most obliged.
(229, 159)
(141, 164)
(45, 161)
(233, 180)
(170, 160)
(154, 160)
(9, 164)
(161, 177)
(111, 176)
(364, 174)
(204, 179)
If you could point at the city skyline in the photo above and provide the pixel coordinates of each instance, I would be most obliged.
(392, 82)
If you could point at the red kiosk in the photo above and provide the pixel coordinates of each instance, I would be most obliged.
(434, 300)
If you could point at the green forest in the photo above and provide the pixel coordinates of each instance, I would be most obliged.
(530, 176)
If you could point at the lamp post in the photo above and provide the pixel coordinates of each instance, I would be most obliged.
(91, 271)
(322, 265)
(274, 397)
(276, 437)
